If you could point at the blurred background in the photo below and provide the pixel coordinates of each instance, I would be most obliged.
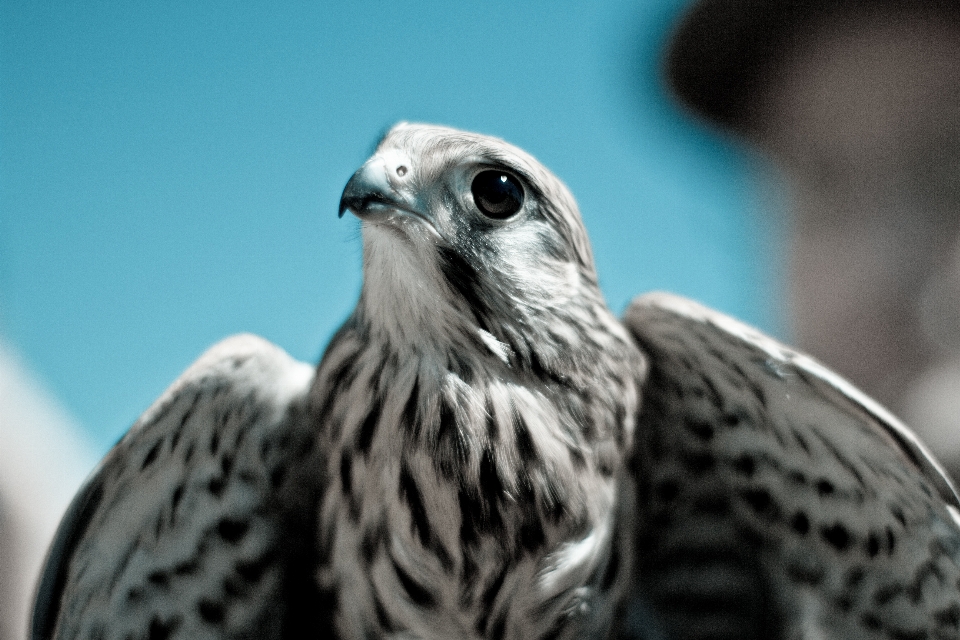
(857, 105)
(170, 175)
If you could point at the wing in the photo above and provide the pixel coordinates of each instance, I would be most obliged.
(197, 524)
(775, 499)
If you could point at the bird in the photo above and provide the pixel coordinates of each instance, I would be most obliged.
(486, 450)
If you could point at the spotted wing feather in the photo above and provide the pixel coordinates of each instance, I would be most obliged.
(197, 523)
(777, 501)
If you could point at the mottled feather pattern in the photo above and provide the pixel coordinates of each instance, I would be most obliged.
(198, 497)
(752, 476)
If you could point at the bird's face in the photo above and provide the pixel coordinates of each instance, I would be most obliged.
(458, 225)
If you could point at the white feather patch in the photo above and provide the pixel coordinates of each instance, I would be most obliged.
(498, 348)
(573, 562)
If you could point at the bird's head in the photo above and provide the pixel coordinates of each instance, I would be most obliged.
(464, 232)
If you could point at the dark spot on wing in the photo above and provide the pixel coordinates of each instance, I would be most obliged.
(278, 475)
(800, 523)
(702, 430)
(825, 487)
(176, 498)
(216, 486)
(928, 569)
(231, 530)
(745, 465)
(732, 419)
(159, 579)
(871, 621)
(226, 464)
(887, 592)
(761, 502)
(151, 455)
(160, 629)
(837, 536)
(897, 512)
(580, 462)
(948, 616)
(212, 612)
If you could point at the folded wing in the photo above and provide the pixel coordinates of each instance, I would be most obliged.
(198, 523)
(774, 498)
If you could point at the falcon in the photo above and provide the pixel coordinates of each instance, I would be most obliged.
(486, 451)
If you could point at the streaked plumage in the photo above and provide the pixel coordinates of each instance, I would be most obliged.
(486, 451)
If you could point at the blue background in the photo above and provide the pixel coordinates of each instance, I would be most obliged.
(169, 174)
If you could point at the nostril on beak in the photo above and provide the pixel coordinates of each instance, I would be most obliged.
(378, 180)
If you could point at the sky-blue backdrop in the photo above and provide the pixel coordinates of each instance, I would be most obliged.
(170, 172)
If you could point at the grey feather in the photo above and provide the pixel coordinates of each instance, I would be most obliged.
(180, 528)
(775, 501)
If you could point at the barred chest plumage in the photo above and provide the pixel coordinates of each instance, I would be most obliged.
(468, 499)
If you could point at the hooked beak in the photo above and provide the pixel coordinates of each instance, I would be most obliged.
(372, 192)
(369, 186)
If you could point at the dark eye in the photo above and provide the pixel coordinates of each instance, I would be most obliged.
(498, 195)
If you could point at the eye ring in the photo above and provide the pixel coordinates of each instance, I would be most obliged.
(497, 194)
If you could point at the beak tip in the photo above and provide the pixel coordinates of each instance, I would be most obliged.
(349, 202)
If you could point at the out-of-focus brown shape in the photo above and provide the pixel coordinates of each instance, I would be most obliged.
(859, 105)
